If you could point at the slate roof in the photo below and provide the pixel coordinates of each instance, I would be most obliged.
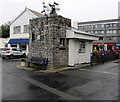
(35, 13)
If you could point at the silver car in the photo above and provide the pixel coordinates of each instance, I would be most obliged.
(12, 52)
(1, 49)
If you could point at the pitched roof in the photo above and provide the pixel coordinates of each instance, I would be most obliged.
(35, 13)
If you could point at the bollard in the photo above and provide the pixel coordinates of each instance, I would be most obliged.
(102, 58)
(91, 59)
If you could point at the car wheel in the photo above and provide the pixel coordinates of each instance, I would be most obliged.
(3, 57)
(11, 57)
(24, 55)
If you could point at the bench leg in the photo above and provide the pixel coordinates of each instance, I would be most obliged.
(28, 64)
(43, 67)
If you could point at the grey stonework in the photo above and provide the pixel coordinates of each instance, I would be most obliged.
(46, 35)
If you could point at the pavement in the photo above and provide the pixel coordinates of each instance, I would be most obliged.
(98, 82)
(53, 70)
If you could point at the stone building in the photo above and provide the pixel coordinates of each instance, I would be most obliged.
(48, 39)
(53, 37)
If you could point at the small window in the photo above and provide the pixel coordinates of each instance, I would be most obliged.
(62, 41)
(17, 29)
(107, 31)
(26, 28)
(82, 47)
(41, 37)
(114, 31)
(114, 25)
(107, 25)
(100, 38)
(33, 37)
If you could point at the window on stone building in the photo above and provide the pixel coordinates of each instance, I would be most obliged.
(17, 29)
(41, 37)
(62, 41)
(82, 47)
(33, 37)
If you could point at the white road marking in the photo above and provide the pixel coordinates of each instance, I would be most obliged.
(99, 71)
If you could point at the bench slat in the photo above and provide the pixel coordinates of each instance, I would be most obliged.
(38, 60)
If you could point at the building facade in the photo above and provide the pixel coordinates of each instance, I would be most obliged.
(53, 38)
(119, 9)
(107, 30)
(19, 29)
(3, 42)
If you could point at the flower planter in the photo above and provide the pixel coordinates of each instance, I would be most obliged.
(23, 64)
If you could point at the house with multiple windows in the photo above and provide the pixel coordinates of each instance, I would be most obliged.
(119, 18)
(19, 29)
(107, 30)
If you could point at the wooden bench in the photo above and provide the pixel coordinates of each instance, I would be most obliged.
(40, 62)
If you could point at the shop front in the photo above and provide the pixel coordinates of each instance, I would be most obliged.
(19, 43)
(107, 47)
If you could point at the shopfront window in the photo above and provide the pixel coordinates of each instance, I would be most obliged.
(13, 45)
(23, 46)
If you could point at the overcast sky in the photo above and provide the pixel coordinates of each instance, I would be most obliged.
(77, 10)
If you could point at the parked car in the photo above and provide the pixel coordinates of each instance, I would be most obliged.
(1, 49)
(12, 53)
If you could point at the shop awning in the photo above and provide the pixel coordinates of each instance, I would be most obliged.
(104, 43)
(97, 43)
(110, 44)
(18, 41)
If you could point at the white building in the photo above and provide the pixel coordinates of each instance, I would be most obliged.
(80, 46)
(3, 42)
(19, 29)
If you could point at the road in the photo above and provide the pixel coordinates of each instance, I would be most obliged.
(99, 82)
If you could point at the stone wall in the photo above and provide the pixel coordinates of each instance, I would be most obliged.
(48, 39)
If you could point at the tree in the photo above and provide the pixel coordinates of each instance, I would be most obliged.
(4, 30)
